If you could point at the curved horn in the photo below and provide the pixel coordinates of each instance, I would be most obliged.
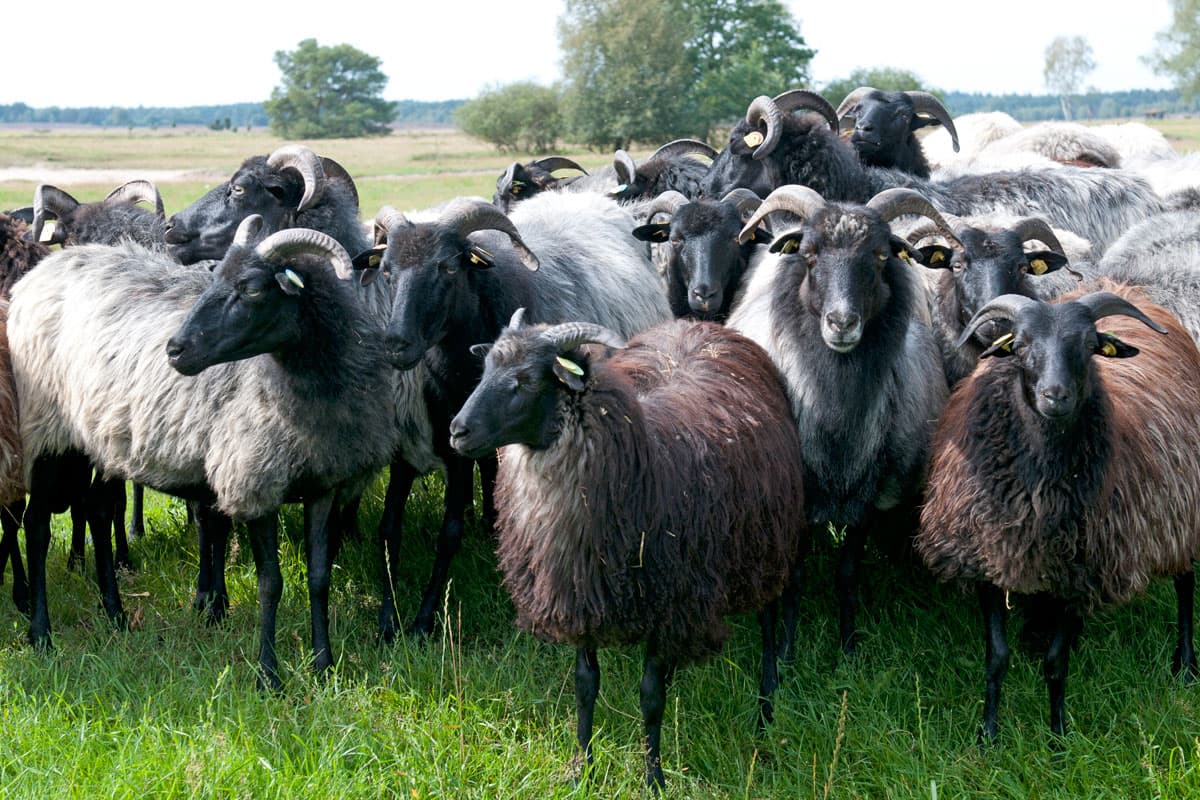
(747, 201)
(138, 191)
(297, 241)
(667, 203)
(1107, 304)
(505, 181)
(799, 200)
(1005, 307)
(803, 100)
(551, 163)
(52, 199)
(465, 216)
(852, 100)
(249, 231)
(569, 335)
(892, 203)
(308, 164)
(683, 147)
(518, 317)
(764, 109)
(385, 220)
(925, 103)
(625, 166)
(1037, 228)
(931, 228)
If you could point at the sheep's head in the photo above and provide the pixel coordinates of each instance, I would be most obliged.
(430, 265)
(885, 121)
(746, 162)
(105, 221)
(705, 259)
(839, 259)
(650, 178)
(255, 302)
(525, 373)
(275, 187)
(1053, 344)
(990, 263)
(522, 181)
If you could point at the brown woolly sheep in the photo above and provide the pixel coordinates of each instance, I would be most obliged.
(1074, 477)
(640, 497)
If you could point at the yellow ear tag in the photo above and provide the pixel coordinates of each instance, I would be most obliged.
(1038, 267)
(294, 278)
(753, 139)
(1004, 342)
(374, 260)
(903, 255)
(937, 257)
(790, 246)
(570, 366)
(48, 228)
(476, 259)
(1109, 349)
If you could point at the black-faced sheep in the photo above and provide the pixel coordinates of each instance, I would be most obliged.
(836, 313)
(641, 497)
(522, 181)
(458, 276)
(885, 126)
(1069, 465)
(203, 418)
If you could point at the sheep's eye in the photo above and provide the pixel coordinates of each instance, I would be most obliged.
(236, 191)
(251, 291)
(957, 266)
(882, 256)
(449, 266)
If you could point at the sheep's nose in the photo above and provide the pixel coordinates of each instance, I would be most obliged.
(174, 348)
(842, 321)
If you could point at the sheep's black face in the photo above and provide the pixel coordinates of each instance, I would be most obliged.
(515, 401)
(735, 167)
(527, 181)
(205, 229)
(882, 124)
(428, 265)
(247, 311)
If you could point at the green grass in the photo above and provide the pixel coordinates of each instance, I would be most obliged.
(170, 708)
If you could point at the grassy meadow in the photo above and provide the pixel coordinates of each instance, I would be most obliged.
(170, 708)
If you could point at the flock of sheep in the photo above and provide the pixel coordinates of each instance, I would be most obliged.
(672, 375)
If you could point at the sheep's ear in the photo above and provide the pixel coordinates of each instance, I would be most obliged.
(1043, 261)
(904, 251)
(368, 264)
(760, 235)
(1110, 346)
(480, 350)
(655, 232)
(917, 122)
(475, 256)
(290, 282)
(570, 373)
(935, 256)
(787, 243)
(1001, 347)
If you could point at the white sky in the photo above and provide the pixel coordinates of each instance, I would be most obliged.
(164, 54)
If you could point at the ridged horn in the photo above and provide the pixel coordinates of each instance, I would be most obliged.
(667, 203)
(804, 100)
(518, 317)
(569, 335)
(138, 191)
(47, 198)
(625, 166)
(747, 201)
(308, 164)
(683, 147)
(799, 200)
(892, 203)
(249, 231)
(505, 182)
(386, 218)
(764, 110)
(1037, 228)
(551, 163)
(852, 100)
(297, 241)
(465, 216)
(1107, 304)
(925, 103)
(1006, 307)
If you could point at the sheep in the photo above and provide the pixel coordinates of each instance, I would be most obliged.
(705, 263)
(885, 125)
(202, 417)
(1064, 142)
(520, 181)
(771, 148)
(292, 187)
(837, 314)
(1061, 468)
(641, 497)
(975, 132)
(458, 276)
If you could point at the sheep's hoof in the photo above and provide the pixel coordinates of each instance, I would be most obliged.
(985, 739)
(1185, 666)
(42, 643)
(212, 606)
(20, 596)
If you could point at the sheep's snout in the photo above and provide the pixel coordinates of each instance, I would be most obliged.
(180, 355)
(841, 330)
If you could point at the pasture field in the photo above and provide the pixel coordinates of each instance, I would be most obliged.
(170, 708)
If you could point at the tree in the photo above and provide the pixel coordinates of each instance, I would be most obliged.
(328, 92)
(1178, 53)
(885, 79)
(1069, 59)
(519, 116)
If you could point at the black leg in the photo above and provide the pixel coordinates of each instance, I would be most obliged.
(487, 489)
(1054, 668)
(656, 678)
(137, 519)
(55, 481)
(316, 538)
(850, 558)
(587, 689)
(263, 533)
(10, 548)
(789, 609)
(459, 485)
(769, 680)
(212, 536)
(1184, 660)
(996, 655)
(78, 534)
(343, 524)
(101, 502)
(120, 541)
(391, 528)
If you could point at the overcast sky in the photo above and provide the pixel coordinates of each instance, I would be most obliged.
(165, 54)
